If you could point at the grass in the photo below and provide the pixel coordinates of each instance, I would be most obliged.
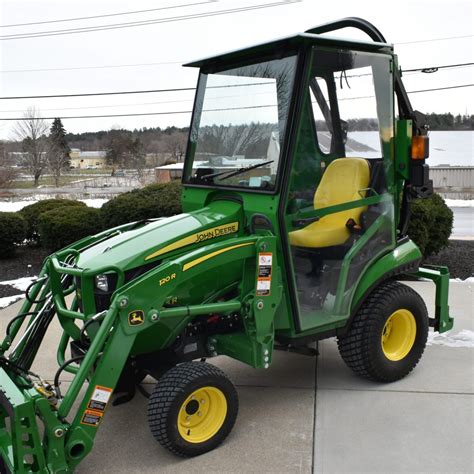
(44, 181)
(80, 172)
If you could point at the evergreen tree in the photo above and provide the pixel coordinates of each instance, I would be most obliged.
(58, 155)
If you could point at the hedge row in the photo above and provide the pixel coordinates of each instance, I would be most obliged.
(56, 223)
(12, 232)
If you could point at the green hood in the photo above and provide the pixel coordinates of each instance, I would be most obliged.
(173, 235)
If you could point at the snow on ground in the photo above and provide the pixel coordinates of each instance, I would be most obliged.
(8, 300)
(469, 280)
(9, 206)
(94, 202)
(464, 338)
(459, 202)
(20, 283)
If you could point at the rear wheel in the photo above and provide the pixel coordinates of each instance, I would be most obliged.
(388, 334)
(192, 408)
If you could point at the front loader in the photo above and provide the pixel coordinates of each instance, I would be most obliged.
(303, 157)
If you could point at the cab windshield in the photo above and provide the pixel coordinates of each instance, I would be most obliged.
(239, 125)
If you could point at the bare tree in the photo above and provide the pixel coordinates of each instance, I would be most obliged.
(175, 144)
(31, 131)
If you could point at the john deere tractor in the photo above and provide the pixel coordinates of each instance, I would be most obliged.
(303, 157)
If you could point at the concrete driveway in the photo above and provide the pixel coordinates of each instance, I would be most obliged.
(313, 415)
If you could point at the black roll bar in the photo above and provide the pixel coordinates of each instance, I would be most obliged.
(404, 106)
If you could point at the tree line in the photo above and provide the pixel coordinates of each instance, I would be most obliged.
(446, 121)
(40, 147)
(45, 147)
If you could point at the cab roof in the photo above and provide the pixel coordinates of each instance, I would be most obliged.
(291, 43)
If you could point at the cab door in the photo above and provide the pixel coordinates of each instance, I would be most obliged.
(339, 214)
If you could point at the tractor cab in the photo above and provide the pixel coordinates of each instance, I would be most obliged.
(302, 133)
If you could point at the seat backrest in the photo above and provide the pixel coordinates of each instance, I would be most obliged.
(342, 181)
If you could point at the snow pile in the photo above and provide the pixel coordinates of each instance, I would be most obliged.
(7, 206)
(94, 202)
(20, 283)
(8, 300)
(469, 280)
(464, 338)
(14, 206)
(459, 202)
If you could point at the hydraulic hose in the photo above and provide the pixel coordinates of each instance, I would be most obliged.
(59, 371)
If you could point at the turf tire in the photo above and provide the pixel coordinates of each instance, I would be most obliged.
(361, 347)
(170, 393)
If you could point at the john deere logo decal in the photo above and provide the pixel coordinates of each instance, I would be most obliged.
(135, 318)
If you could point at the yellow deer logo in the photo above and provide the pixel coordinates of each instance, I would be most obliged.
(136, 318)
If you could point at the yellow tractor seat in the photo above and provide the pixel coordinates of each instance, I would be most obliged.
(345, 180)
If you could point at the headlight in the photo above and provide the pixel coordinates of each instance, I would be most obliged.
(102, 283)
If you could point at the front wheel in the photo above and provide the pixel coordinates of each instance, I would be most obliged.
(192, 408)
(388, 334)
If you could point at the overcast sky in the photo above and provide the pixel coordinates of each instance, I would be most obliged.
(181, 41)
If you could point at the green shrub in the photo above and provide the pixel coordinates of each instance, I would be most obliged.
(32, 212)
(12, 232)
(430, 225)
(156, 200)
(63, 226)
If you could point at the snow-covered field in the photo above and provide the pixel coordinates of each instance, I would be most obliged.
(13, 206)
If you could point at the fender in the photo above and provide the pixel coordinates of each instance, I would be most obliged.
(404, 258)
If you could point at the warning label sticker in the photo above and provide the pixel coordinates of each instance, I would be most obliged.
(99, 399)
(91, 418)
(264, 276)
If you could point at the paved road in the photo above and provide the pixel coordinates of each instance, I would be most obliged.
(463, 222)
(307, 415)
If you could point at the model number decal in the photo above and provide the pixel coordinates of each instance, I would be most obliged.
(167, 279)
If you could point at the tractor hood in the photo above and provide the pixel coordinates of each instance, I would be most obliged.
(152, 242)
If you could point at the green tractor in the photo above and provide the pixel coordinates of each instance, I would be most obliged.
(297, 183)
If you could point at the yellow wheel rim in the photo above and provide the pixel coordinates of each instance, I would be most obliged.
(202, 414)
(398, 335)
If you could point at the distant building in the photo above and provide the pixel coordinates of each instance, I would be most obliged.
(87, 159)
(171, 172)
(453, 182)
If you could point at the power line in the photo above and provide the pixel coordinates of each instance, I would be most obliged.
(217, 110)
(152, 113)
(88, 94)
(164, 63)
(169, 63)
(411, 92)
(435, 68)
(421, 70)
(435, 39)
(41, 34)
(133, 12)
(442, 88)
(141, 103)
